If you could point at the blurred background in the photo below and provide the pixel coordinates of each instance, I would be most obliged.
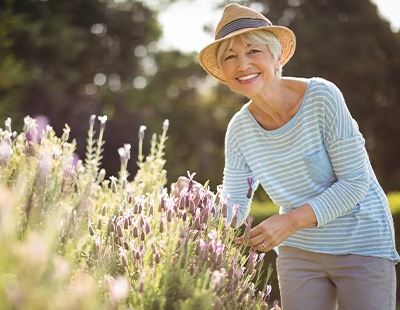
(61, 61)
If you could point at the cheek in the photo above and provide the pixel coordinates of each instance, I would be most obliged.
(225, 68)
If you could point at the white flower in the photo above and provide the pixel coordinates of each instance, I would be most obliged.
(166, 125)
(141, 132)
(102, 119)
(118, 288)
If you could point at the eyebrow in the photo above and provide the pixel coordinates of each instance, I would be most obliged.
(232, 50)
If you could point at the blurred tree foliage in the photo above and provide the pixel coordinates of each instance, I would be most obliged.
(70, 59)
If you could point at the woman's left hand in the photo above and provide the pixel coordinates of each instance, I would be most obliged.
(270, 233)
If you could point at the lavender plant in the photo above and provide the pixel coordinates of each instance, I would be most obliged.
(73, 239)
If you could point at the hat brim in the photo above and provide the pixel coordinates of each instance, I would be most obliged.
(208, 55)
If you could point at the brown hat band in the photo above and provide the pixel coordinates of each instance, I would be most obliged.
(241, 24)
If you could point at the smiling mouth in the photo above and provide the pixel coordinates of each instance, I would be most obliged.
(248, 77)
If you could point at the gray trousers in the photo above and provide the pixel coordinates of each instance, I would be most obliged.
(315, 281)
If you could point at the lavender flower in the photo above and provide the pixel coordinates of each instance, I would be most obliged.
(165, 125)
(142, 129)
(250, 190)
(157, 257)
(235, 216)
(217, 279)
(113, 184)
(99, 224)
(5, 152)
(124, 260)
(118, 288)
(92, 119)
(250, 262)
(135, 231)
(103, 120)
(247, 230)
(104, 209)
(91, 230)
(142, 278)
(7, 124)
(190, 175)
(66, 132)
(119, 231)
(203, 250)
(259, 262)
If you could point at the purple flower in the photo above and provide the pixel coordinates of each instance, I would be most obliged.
(141, 282)
(247, 230)
(203, 250)
(190, 187)
(235, 216)
(250, 262)
(250, 190)
(217, 279)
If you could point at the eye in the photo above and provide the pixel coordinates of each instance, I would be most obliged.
(229, 57)
(254, 51)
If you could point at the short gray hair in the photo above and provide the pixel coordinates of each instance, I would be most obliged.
(258, 37)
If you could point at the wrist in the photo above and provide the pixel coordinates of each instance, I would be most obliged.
(302, 217)
(290, 223)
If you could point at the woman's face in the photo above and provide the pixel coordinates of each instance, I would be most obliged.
(248, 67)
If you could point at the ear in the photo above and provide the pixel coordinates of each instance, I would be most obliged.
(280, 56)
(278, 63)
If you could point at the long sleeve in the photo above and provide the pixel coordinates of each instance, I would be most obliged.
(346, 150)
(235, 185)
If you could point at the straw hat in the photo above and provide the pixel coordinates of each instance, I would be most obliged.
(237, 19)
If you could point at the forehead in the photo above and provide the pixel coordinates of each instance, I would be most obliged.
(240, 40)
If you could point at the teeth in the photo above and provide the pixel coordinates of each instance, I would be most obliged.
(247, 77)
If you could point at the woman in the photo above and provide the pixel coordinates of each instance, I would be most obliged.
(298, 140)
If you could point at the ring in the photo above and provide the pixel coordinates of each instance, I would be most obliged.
(263, 245)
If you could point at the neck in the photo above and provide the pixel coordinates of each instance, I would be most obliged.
(278, 103)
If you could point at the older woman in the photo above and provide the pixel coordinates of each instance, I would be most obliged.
(296, 138)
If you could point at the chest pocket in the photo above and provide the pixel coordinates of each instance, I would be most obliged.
(319, 166)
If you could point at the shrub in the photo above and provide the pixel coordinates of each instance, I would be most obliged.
(73, 239)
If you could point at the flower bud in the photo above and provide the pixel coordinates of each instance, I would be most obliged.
(124, 260)
(99, 224)
(119, 231)
(91, 230)
(104, 209)
(224, 210)
(135, 232)
(157, 257)
(192, 207)
(126, 246)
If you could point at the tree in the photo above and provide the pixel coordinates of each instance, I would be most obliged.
(69, 59)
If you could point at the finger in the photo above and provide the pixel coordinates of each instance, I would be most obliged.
(262, 246)
(256, 230)
(256, 240)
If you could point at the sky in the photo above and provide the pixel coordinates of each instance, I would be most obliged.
(183, 22)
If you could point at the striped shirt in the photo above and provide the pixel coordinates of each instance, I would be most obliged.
(319, 158)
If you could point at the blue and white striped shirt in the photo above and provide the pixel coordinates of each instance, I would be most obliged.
(319, 158)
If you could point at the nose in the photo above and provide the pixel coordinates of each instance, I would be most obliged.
(243, 62)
